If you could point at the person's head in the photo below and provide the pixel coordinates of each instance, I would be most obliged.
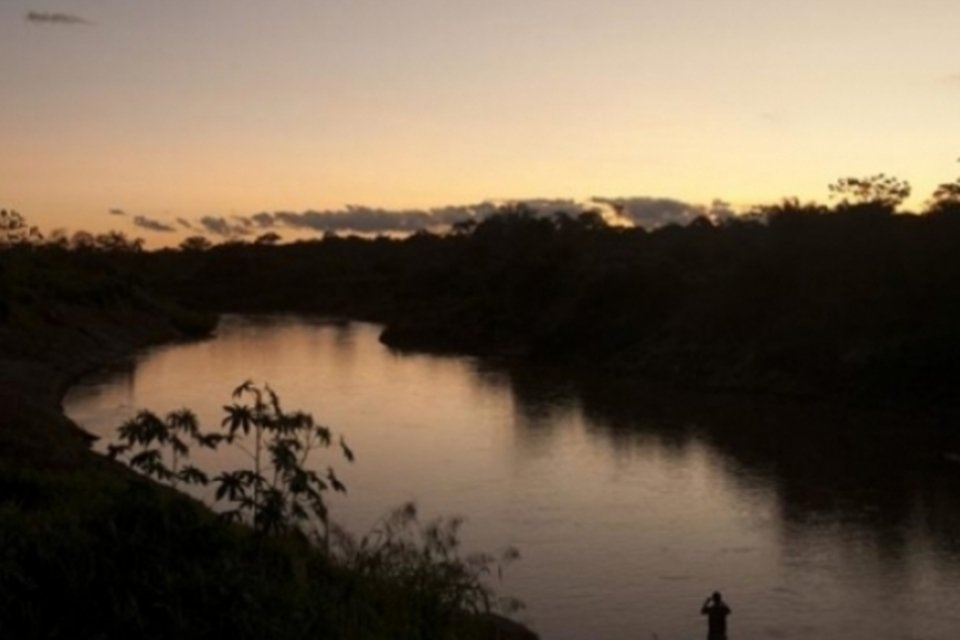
(716, 597)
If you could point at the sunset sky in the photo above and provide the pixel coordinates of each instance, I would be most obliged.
(169, 109)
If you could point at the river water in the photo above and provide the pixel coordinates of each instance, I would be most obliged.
(629, 505)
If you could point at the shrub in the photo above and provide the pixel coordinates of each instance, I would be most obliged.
(403, 579)
(280, 493)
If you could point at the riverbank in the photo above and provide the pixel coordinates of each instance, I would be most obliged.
(855, 303)
(39, 359)
(90, 549)
(591, 478)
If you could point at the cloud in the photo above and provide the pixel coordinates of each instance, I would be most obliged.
(152, 225)
(362, 219)
(356, 218)
(263, 220)
(220, 226)
(46, 17)
(644, 212)
(650, 213)
(641, 211)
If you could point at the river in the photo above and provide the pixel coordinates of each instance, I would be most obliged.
(629, 505)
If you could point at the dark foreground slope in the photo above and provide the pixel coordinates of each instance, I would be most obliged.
(855, 301)
(91, 550)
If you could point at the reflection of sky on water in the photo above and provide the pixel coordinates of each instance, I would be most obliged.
(629, 504)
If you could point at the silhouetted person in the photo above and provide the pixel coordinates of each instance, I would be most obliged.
(716, 611)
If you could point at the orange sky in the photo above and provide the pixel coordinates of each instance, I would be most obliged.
(222, 107)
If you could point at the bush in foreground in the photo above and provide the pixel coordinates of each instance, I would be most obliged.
(134, 559)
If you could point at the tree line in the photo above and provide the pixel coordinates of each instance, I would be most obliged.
(855, 296)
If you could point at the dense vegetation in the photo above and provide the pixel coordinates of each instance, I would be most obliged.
(89, 549)
(854, 298)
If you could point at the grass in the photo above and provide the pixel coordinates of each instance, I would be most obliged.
(101, 553)
(89, 549)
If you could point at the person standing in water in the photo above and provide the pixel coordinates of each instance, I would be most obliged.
(716, 611)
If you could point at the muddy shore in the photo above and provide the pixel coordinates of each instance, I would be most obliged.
(38, 364)
(44, 455)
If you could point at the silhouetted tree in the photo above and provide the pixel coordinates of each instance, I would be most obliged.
(15, 230)
(269, 238)
(946, 199)
(195, 243)
(885, 191)
(83, 241)
(843, 295)
(463, 227)
(58, 238)
(118, 241)
(591, 220)
(701, 222)
(790, 211)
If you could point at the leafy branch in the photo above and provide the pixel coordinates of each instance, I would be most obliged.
(280, 493)
(148, 441)
(283, 492)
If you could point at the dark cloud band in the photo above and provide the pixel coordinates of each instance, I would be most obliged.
(152, 225)
(636, 211)
(651, 213)
(45, 17)
(645, 212)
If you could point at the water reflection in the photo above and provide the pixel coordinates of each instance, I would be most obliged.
(883, 473)
(865, 502)
(630, 503)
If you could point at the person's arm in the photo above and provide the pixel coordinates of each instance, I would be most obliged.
(705, 609)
